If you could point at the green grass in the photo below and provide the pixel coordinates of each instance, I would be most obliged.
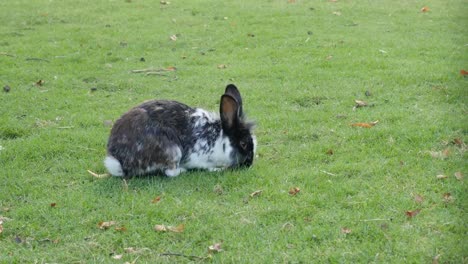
(300, 66)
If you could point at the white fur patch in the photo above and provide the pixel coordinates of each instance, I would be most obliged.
(113, 166)
(254, 139)
(217, 157)
(203, 117)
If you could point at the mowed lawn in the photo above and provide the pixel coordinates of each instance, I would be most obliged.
(335, 180)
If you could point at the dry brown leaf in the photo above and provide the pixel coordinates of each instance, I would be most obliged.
(156, 200)
(330, 152)
(171, 68)
(121, 228)
(360, 103)
(458, 142)
(345, 230)
(256, 193)
(163, 228)
(291, 1)
(440, 154)
(463, 72)
(425, 9)
(39, 83)
(294, 191)
(365, 125)
(448, 197)
(459, 176)
(411, 214)
(215, 248)
(106, 225)
(418, 198)
(53, 204)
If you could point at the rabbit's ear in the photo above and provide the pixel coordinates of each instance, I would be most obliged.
(232, 90)
(229, 111)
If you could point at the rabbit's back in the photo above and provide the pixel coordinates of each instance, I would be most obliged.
(151, 136)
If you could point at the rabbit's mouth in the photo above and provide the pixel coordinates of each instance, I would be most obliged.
(245, 161)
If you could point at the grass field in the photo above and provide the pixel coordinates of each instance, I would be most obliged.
(392, 193)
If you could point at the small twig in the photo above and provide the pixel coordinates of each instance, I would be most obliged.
(6, 54)
(156, 73)
(147, 70)
(329, 173)
(191, 257)
(376, 219)
(37, 59)
(99, 176)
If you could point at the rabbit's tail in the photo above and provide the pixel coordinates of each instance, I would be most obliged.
(113, 166)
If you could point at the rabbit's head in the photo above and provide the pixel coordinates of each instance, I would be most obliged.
(236, 128)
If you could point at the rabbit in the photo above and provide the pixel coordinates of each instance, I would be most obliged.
(171, 137)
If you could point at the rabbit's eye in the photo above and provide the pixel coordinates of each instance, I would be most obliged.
(243, 145)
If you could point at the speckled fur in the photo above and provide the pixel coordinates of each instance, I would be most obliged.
(172, 137)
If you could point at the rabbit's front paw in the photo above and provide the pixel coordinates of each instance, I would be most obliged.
(174, 172)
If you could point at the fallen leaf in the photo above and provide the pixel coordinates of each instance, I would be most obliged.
(173, 37)
(163, 228)
(360, 103)
(117, 256)
(418, 198)
(291, 1)
(294, 191)
(256, 193)
(413, 213)
(441, 176)
(105, 225)
(215, 248)
(222, 66)
(425, 9)
(160, 228)
(53, 204)
(171, 68)
(447, 197)
(130, 250)
(39, 83)
(218, 189)
(458, 142)
(459, 175)
(121, 229)
(365, 125)
(463, 72)
(156, 199)
(330, 152)
(345, 230)
(440, 154)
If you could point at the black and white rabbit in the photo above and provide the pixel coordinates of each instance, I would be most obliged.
(172, 137)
